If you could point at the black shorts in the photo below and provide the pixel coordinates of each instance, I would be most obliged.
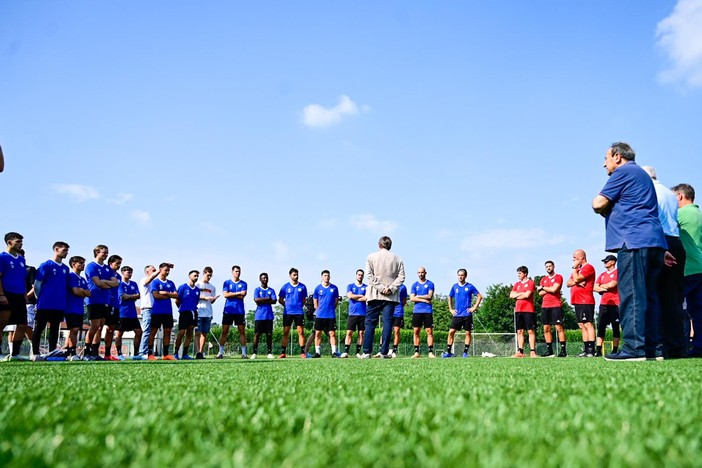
(325, 324)
(398, 322)
(356, 323)
(552, 315)
(74, 321)
(584, 313)
(263, 326)
(525, 320)
(17, 305)
(423, 320)
(98, 311)
(161, 320)
(609, 315)
(297, 320)
(187, 319)
(112, 319)
(129, 324)
(234, 319)
(462, 323)
(50, 315)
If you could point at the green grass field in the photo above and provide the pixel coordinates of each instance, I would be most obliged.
(402, 412)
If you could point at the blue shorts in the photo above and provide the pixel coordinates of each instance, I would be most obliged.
(204, 324)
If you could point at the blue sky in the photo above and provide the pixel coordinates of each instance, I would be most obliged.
(279, 134)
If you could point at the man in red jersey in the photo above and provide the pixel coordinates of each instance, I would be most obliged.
(523, 292)
(606, 285)
(551, 309)
(581, 284)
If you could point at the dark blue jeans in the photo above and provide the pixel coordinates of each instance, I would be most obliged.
(374, 311)
(693, 296)
(639, 309)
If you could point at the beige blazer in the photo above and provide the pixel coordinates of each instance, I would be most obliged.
(384, 270)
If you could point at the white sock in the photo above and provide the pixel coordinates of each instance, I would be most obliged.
(333, 349)
(243, 350)
(318, 349)
(221, 349)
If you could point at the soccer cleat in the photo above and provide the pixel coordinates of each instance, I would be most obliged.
(88, 358)
(586, 355)
(377, 355)
(448, 355)
(431, 355)
(199, 356)
(18, 357)
(344, 355)
(563, 353)
(151, 358)
(270, 356)
(598, 353)
(336, 355)
(415, 356)
(533, 354)
(253, 356)
(655, 358)
(282, 356)
(38, 358)
(316, 356)
(111, 358)
(187, 357)
(98, 358)
(465, 355)
(219, 356)
(168, 357)
(303, 356)
(309, 355)
(120, 357)
(176, 356)
(518, 355)
(244, 356)
(75, 358)
(387, 356)
(139, 357)
(393, 355)
(622, 356)
(358, 355)
(365, 356)
(548, 354)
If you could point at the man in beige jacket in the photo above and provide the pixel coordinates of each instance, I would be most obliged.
(385, 273)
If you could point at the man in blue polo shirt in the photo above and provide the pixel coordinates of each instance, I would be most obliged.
(75, 305)
(326, 298)
(292, 297)
(463, 293)
(356, 292)
(234, 292)
(188, 298)
(51, 288)
(398, 319)
(13, 290)
(128, 292)
(163, 290)
(422, 294)
(630, 208)
(101, 279)
(264, 297)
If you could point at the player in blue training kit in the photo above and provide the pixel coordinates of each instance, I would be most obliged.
(128, 292)
(398, 319)
(234, 292)
(188, 297)
(75, 305)
(422, 294)
(13, 292)
(112, 319)
(292, 297)
(326, 298)
(101, 279)
(463, 294)
(163, 291)
(51, 288)
(356, 292)
(264, 298)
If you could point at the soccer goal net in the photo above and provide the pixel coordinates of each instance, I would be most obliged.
(487, 344)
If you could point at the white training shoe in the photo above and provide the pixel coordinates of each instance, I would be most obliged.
(270, 356)
(378, 355)
(393, 355)
(365, 356)
(344, 355)
(415, 356)
(431, 355)
(253, 356)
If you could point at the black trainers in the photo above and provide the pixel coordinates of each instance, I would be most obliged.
(563, 353)
(598, 353)
(199, 356)
(548, 354)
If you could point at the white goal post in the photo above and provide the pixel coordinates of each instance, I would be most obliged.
(486, 344)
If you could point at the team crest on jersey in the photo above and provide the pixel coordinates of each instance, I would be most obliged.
(331, 290)
(466, 289)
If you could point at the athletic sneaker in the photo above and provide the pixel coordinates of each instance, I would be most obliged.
(316, 356)
(111, 358)
(38, 358)
(18, 357)
(187, 357)
(244, 356)
(309, 355)
(393, 355)
(98, 358)
(282, 356)
(533, 354)
(465, 355)
(518, 355)
(387, 356)
(219, 356)
(168, 357)
(75, 357)
(365, 356)
(336, 355)
(377, 355)
(199, 356)
(139, 357)
(88, 358)
(431, 355)
(151, 358)
(598, 353)
(176, 356)
(120, 357)
(563, 353)
(358, 355)
(303, 356)
(586, 355)
(548, 354)
(253, 356)
(448, 355)
(622, 356)
(344, 355)
(270, 356)
(415, 356)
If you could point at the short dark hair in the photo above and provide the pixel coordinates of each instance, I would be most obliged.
(624, 150)
(148, 266)
(12, 236)
(236, 267)
(523, 269)
(60, 244)
(462, 270)
(361, 270)
(207, 270)
(549, 261)
(76, 259)
(193, 271)
(686, 190)
(385, 242)
(163, 265)
(293, 270)
(113, 259)
(126, 268)
(98, 248)
(325, 271)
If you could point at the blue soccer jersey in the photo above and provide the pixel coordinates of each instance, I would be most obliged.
(54, 285)
(422, 289)
(127, 308)
(399, 308)
(98, 295)
(75, 304)
(114, 292)
(14, 273)
(189, 297)
(294, 298)
(234, 305)
(463, 298)
(264, 311)
(162, 306)
(357, 307)
(326, 301)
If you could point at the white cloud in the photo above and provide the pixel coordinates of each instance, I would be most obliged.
(317, 116)
(510, 239)
(78, 193)
(121, 198)
(143, 217)
(369, 222)
(680, 36)
(327, 223)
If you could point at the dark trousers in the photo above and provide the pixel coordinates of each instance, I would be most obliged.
(374, 311)
(693, 296)
(53, 318)
(671, 294)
